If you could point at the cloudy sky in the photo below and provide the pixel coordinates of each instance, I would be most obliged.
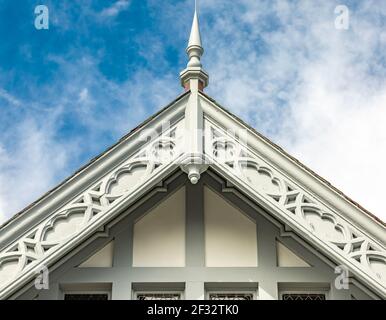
(69, 92)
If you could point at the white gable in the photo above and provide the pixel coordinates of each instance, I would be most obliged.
(134, 166)
(192, 134)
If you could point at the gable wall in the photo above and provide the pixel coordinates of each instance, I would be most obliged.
(195, 277)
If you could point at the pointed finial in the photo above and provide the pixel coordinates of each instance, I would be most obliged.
(195, 52)
(195, 37)
(195, 49)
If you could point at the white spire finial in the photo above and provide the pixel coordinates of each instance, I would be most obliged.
(195, 37)
(195, 51)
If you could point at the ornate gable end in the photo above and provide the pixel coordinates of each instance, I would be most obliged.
(192, 134)
(245, 159)
(131, 168)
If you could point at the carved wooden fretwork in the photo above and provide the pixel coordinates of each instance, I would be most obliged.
(320, 220)
(63, 224)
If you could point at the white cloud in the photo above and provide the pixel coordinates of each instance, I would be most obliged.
(115, 8)
(31, 166)
(317, 91)
(9, 98)
(83, 95)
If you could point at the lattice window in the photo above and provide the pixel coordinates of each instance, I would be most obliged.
(86, 296)
(230, 296)
(158, 296)
(303, 296)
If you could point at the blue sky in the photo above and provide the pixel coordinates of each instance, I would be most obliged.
(69, 92)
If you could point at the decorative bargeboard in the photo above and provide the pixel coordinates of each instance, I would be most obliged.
(63, 224)
(320, 220)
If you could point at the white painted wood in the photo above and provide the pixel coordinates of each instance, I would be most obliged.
(159, 236)
(8, 269)
(230, 236)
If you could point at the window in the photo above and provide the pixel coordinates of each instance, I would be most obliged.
(231, 296)
(303, 296)
(86, 291)
(304, 291)
(86, 296)
(158, 296)
(158, 291)
(231, 290)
